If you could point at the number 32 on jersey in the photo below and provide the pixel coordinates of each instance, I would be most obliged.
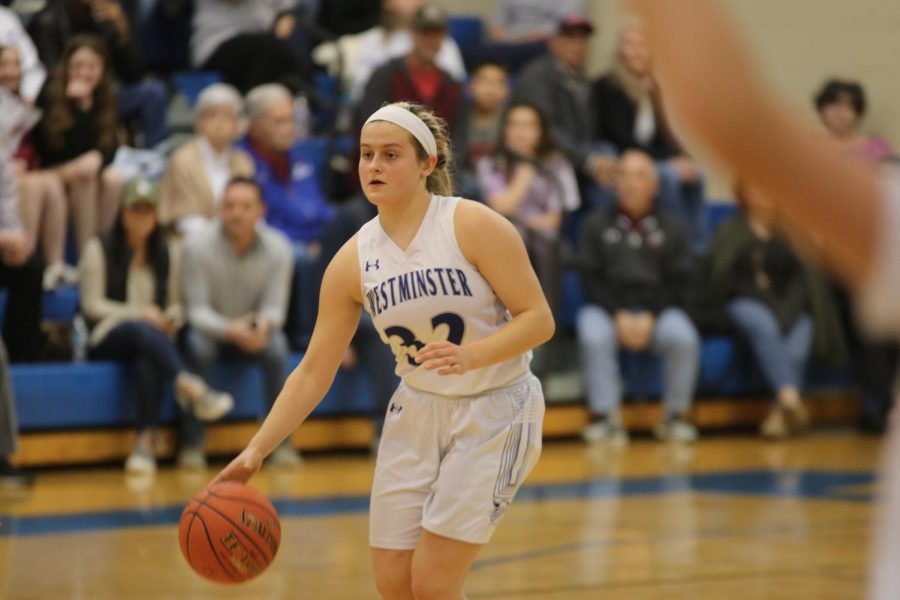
(404, 342)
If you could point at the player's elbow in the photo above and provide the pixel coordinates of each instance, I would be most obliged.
(546, 324)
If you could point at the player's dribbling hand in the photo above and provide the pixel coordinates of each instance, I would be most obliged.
(242, 468)
(447, 357)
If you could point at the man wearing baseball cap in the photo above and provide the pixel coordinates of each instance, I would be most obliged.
(557, 84)
(393, 38)
(416, 77)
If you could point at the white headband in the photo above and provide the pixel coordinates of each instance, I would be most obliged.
(408, 121)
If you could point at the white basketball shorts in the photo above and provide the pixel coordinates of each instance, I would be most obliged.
(452, 465)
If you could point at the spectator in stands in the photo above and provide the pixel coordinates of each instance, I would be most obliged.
(346, 17)
(636, 264)
(520, 29)
(366, 350)
(131, 300)
(21, 273)
(416, 77)
(842, 106)
(393, 38)
(480, 123)
(523, 21)
(246, 41)
(42, 197)
(139, 98)
(10, 476)
(32, 72)
(629, 109)
(199, 170)
(775, 301)
(556, 83)
(531, 183)
(236, 277)
(76, 137)
(295, 203)
(164, 30)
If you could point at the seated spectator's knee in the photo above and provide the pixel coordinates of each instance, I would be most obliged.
(111, 176)
(146, 334)
(83, 168)
(276, 351)
(595, 328)
(752, 315)
(154, 91)
(201, 349)
(677, 330)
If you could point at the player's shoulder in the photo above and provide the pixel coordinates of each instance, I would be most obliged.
(473, 217)
(480, 228)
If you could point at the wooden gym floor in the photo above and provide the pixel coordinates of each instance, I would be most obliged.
(730, 517)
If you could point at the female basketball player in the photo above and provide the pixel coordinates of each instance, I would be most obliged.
(712, 83)
(449, 286)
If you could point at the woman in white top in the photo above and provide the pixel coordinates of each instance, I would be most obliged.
(854, 210)
(449, 286)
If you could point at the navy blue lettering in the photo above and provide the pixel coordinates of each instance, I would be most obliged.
(420, 283)
(403, 287)
(452, 281)
(393, 300)
(417, 284)
(462, 281)
(440, 274)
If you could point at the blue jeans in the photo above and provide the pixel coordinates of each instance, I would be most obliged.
(782, 356)
(154, 357)
(203, 351)
(674, 337)
(146, 101)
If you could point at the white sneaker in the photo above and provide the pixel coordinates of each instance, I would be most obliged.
(605, 431)
(192, 459)
(284, 456)
(212, 405)
(675, 429)
(69, 275)
(209, 405)
(140, 462)
(53, 275)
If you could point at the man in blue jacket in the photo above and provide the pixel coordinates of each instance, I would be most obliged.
(295, 203)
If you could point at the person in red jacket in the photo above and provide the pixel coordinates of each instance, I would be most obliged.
(416, 77)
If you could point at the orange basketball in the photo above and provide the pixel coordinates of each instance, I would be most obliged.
(229, 533)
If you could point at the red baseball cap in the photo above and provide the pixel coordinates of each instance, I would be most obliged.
(575, 23)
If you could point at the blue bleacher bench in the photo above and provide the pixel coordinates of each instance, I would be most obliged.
(100, 394)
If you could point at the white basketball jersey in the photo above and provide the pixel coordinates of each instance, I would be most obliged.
(431, 293)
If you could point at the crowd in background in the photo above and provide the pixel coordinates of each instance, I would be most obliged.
(220, 253)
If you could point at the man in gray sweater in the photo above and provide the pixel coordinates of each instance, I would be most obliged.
(236, 278)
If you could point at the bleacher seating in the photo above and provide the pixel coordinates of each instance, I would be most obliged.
(95, 394)
(98, 394)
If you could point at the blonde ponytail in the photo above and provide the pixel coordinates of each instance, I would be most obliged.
(440, 181)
